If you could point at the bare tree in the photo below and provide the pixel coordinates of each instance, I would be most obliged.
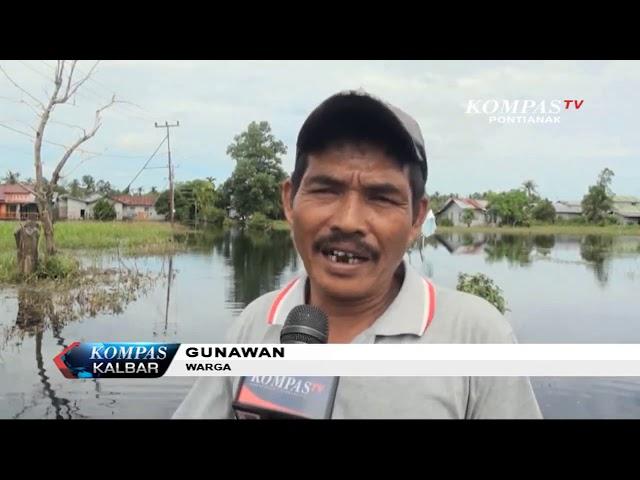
(65, 87)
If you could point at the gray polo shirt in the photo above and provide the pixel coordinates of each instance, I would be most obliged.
(421, 313)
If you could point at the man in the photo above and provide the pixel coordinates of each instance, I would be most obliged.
(355, 203)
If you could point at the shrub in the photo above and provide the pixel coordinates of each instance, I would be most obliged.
(104, 210)
(483, 287)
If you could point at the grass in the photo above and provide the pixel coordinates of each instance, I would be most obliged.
(8, 270)
(632, 230)
(127, 236)
(59, 267)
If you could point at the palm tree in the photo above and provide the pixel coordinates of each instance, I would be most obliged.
(530, 187)
(89, 184)
(11, 177)
(75, 190)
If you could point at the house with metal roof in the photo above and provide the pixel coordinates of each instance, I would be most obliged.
(136, 207)
(17, 202)
(454, 209)
(567, 210)
(68, 207)
(627, 209)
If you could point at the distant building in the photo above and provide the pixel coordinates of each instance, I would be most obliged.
(627, 209)
(17, 203)
(454, 209)
(136, 207)
(567, 210)
(74, 208)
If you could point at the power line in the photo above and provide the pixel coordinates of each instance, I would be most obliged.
(16, 130)
(80, 150)
(146, 163)
(125, 106)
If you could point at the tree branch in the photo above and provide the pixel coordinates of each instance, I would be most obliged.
(73, 67)
(97, 124)
(73, 88)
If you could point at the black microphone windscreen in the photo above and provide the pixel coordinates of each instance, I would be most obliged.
(305, 324)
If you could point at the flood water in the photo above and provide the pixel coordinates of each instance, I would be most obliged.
(559, 289)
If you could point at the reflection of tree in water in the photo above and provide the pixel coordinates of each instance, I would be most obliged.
(35, 312)
(51, 306)
(596, 250)
(515, 249)
(201, 239)
(257, 260)
(544, 243)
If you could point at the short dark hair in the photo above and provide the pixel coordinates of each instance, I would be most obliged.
(355, 131)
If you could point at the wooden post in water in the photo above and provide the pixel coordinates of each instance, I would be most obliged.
(27, 237)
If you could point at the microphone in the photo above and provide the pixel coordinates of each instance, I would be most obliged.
(271, 397)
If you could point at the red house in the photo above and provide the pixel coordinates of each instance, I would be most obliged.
(17, 203)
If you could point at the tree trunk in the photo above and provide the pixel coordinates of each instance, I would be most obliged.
(27, 243)
(47, 226)
(46, 217)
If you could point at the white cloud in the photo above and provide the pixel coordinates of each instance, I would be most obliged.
(215, 100)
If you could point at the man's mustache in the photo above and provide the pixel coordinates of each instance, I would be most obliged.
(357, 245)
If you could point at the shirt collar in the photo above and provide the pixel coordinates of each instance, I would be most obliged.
(410, 312)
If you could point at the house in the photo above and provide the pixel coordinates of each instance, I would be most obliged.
(17, 202)
(74, 208)
(566, 210)
(627, 209)
(136, 207)
(454, 209)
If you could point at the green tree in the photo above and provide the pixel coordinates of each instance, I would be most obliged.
(529, 186)
(75, 189)
(605, 178)
(11, 177)
(254, 185)
(468, 216)
(104, 210)
(512, 207)
(543, 211)
(89, 184)
(195, 201)
(598, 201)
(60, 189)
(203, 198)
(104, 187)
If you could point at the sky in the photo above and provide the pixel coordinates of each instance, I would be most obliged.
(216, 100)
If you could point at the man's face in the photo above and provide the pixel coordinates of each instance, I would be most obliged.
(352, 219)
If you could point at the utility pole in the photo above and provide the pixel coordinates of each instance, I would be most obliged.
(171, 198)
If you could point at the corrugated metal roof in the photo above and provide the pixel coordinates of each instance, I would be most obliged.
(13, 188)
(627, 210)
(137, 200)
(562, 206)
(465, 204)
(625, 199)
